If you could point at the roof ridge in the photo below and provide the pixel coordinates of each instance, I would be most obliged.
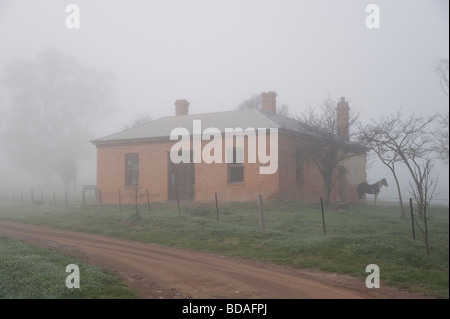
(255, 118)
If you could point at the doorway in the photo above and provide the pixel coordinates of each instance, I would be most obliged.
(181, 180)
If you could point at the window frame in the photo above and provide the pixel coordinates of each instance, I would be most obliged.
(131, 169)
(235, 168)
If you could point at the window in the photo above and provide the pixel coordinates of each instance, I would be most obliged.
(299, 168)
(131, 169)
(235, 165)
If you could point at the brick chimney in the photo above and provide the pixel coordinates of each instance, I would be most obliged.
(181, 107)
(342, 114)
(269, 101)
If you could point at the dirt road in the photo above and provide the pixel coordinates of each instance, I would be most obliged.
(156, 271)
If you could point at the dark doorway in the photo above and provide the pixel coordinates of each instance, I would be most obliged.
(182, 180)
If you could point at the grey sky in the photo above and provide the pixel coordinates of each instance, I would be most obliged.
(216, 54)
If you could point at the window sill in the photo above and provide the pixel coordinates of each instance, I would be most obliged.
(236, 184)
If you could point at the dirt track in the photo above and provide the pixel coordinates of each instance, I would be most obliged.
(163, 272)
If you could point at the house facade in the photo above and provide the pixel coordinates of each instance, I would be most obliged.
(141, 159)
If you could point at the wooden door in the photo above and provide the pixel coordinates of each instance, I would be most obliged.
(181, 180)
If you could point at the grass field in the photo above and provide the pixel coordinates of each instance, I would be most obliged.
(30, 272)
(293, 235)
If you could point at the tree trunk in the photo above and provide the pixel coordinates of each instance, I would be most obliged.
(427, 245)
(327, 190)
(402, 210)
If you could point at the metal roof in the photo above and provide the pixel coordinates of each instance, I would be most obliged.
(244, 119)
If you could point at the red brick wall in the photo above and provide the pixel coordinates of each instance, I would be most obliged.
(152, 172)
(153, 175)
(312, 187)
(211, 178)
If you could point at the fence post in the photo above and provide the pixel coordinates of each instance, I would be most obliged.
(67, 202)
(136, 199)
(148, 200)
(32, 196)
(100, 198)
(260, 210)
(120, 202)
(178, 202)
(412, 219)
(54, 199)
(323, 216)
(217, 207)
(82, 195)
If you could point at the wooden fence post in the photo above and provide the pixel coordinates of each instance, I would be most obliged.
(83, 197)
(323, 216)
(100, 198)
(120, 202)
(178, 202)
(148, 200)
(412, 219)
(54, 199)
(217, 207)
(136, 199)
(260, 210)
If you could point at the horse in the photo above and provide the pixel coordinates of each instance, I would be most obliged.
(374, 189)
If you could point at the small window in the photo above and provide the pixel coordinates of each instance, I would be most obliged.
(299, 168)
(131, 169)
(236, 166)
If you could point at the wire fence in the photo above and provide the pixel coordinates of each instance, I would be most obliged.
(439, 201)
(87, 196)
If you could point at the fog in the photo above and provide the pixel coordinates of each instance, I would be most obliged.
(216, 54)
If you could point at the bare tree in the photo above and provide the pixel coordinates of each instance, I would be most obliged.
(324, 145)
(136, 197)
(442, 71)
(423, 191)
(53, 104)
(441, 142)
(255, 102)
(141, 119)
(410, 142)
(372, 135)
(67, 169)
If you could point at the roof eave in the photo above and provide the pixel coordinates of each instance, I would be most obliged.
(132, 141)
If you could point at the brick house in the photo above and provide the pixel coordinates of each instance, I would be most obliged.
(139, 158)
